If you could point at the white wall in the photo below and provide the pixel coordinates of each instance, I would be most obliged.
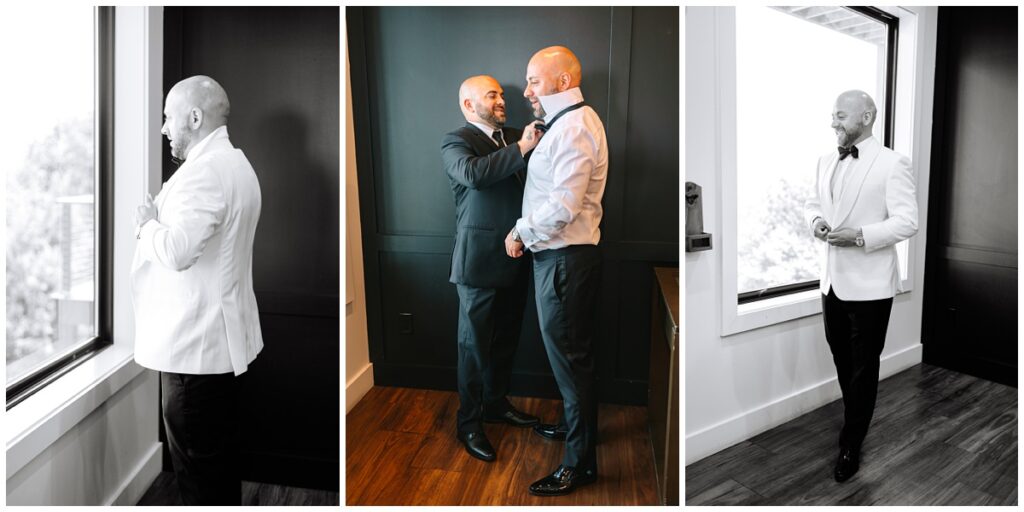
(90, 438)
(358, 369)
(738, 386)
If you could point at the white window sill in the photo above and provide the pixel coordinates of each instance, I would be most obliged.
(44, 417)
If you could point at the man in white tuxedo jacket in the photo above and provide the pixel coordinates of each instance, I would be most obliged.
(196, 319)
(864, 203)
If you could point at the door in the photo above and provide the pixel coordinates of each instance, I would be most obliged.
(280, 69)
(970, 309)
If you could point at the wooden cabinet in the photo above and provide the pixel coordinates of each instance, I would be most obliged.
(663, 394)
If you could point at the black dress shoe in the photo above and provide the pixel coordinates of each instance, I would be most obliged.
(564, 480)
(477, 445)
(514, 418)
(847, 464)
(552, 432)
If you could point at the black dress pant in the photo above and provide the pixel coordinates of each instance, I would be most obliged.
(490, 320)
(567, 283)
(201, 423)
(855, 331)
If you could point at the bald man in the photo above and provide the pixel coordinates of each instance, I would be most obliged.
(196, 319)
(864, 203)
(485, 164)
(560, 227)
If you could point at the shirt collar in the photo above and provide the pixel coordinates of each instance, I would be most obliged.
(555, 103)
(220, 133)
(484, 128)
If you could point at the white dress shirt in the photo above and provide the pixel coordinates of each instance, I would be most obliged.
(195, 310)
(488, 131)
(565, 178)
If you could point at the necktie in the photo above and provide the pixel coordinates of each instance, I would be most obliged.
(852, 150)
(498, 139)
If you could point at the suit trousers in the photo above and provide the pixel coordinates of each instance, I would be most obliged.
(855, 331)
(200, 418)
(567, 283)
(490, 320)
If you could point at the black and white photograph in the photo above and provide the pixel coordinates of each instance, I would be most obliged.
(173, 237)
(512, 217)
(851, 257)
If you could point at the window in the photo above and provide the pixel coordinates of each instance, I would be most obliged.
(791, 63)
(58, 194)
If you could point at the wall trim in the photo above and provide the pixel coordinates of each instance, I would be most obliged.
(357, 387)
(720, 436)
(142, 476)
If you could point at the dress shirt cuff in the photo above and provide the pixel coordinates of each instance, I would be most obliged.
(526, 233)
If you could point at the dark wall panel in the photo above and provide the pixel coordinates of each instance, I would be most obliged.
(280, 68)
(406, 66)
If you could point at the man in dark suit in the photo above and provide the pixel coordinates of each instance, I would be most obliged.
(486, 166)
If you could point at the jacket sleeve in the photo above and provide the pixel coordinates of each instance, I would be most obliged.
(812, 207)
(901, 206)
(463, 166)
(188, 218)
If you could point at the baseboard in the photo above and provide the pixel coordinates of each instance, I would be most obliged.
(358, 386)
(739, 428)
(142, 476)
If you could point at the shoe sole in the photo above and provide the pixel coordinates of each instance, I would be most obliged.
(477, 457)
(562, 493)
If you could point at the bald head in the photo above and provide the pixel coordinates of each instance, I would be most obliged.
(853, 117)
(552, 70)
(195, 107)
(482, 100)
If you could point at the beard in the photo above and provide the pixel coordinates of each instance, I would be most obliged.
(179, 146)
(496, 119)
(845, 137)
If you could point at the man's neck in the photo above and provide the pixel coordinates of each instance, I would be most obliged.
(860, 139)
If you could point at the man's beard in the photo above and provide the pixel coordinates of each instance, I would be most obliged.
(849, 137)
(179, 148)
(491, 118)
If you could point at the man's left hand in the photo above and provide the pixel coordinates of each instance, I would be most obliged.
(513, 248)
(145, 212)
(844, 237)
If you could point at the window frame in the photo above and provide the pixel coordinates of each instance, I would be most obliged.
(103, 215)
(892, 24)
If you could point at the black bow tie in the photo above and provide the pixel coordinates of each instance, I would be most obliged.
(852, 150)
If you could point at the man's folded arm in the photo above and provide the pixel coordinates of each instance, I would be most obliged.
(901, 204)
(467, 169)
(573, 165)
(195, 208)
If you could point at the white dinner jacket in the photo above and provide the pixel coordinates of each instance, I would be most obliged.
(195, 310)
(876, 195)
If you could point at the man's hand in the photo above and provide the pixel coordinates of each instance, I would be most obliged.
(145, 212)
(845, 237)
(531, 136)
(821, 229)
(513, 248)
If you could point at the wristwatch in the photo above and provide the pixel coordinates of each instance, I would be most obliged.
(860, 238)
(515, 235)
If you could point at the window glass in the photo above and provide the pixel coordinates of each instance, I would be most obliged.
(50, 182)
(791, 63)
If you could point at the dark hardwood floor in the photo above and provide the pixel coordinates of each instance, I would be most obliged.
(938, 438)
(164, 491)
(401, 450)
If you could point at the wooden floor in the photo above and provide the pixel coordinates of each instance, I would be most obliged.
(401, 450)
(937, 438)
(164, 491)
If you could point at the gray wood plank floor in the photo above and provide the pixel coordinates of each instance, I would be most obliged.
(164, 491)
(937, 438)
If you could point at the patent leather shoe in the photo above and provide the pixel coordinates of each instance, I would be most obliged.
(847, 464)
(550, 431)
(477, 445)
(514, 418)
(564, 480)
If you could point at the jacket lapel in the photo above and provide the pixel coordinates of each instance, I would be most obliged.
(849, 191)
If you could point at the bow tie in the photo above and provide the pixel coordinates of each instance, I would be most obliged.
(852, 150)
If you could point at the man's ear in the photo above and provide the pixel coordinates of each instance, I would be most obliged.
(195, 118)
(467, 105)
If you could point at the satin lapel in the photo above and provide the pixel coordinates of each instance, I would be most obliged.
(825, 189)
(849, 192)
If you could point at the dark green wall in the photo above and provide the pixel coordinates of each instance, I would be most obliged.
(406, 67)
